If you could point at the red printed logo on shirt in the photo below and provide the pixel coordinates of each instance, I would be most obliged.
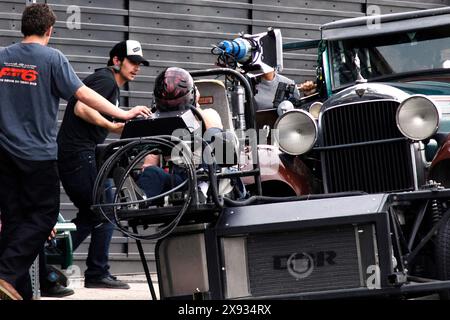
(25, 75)
(21, 74)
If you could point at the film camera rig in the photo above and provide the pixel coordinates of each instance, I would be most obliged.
(141, 137)
(152, 218)
(120, 160)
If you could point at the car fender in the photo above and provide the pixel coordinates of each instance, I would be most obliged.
(274, 170)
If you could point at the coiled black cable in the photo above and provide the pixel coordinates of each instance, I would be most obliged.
(104, 172)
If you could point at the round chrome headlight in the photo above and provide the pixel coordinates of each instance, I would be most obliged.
(315, 108)
(296, 132)
(418, 118)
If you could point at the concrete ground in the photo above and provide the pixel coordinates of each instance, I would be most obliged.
(139, 290)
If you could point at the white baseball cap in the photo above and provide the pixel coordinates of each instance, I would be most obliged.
(130, 49)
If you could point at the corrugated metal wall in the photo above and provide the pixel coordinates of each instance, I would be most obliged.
(180, 33)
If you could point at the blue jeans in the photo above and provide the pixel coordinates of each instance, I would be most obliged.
(154, 181)
(78, 173)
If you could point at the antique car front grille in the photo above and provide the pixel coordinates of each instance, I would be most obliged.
(368, 152)
(360, 122)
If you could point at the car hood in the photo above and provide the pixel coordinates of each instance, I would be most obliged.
(365, 92)
(398, 91)
(433, 88)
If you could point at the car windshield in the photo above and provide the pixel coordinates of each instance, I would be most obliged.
(387, 55)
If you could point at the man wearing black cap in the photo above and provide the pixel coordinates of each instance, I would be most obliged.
(81, 130)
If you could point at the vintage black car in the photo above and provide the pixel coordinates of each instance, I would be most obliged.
(371, 152)
(386, 99)
(380, 124)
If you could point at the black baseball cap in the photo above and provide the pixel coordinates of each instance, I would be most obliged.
(130, 49)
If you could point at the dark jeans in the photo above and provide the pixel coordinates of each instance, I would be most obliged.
(78, 173)
(29, 206)
(154, 180)
(43, 269)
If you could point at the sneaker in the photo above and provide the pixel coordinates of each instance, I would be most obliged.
(56, 291)
(109, 281)
(7, 291)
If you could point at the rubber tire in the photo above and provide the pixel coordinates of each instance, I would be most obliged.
(442, 256)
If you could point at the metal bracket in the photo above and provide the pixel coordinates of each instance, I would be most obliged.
(398, 278)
